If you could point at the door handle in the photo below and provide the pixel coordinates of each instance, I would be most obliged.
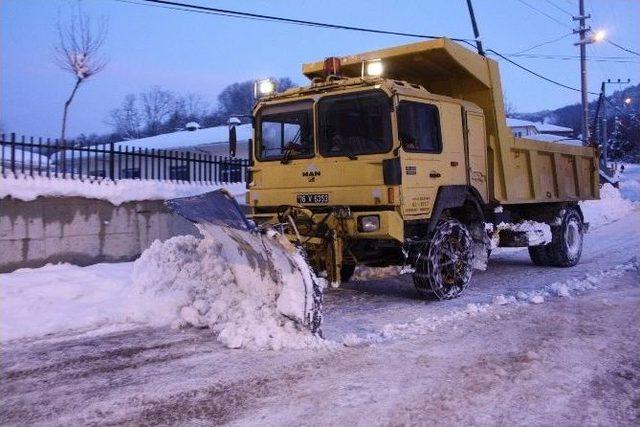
(434, 174)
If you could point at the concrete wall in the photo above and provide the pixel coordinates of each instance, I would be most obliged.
(81, 231)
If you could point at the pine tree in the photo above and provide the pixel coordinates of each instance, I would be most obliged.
(620, 146)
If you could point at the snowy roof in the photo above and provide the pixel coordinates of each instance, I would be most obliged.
(540, 127)
(545, 137)
(548, 127)
(185, 138)
(517, 123)
(29, 157)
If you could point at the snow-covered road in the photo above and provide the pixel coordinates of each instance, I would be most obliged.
(569, 361)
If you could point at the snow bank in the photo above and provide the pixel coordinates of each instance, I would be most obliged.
(126, 190)
(208, 282)
(185, 281)
(55, 298)
(611, 206)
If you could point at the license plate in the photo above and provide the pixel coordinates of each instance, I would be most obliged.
(316, 199)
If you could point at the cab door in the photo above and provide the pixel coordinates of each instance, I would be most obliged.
(476, 152)
(432, 152)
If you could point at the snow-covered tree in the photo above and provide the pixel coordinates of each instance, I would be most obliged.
(78, 51)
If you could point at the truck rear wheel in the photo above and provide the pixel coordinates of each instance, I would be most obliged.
(346, 272)
(443, 266)
(540, 255)
(565, 248)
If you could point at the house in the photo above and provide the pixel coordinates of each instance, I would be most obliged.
(526, 129)
(521, 128)
(548, 128)
(213, 140)
(178, 155)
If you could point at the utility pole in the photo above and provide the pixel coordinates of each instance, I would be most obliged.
(476, 32)
(583, 30)
(604, 139)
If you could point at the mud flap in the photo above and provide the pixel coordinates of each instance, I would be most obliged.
(286, 278)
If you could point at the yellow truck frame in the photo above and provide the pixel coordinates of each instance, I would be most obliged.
(429, 209)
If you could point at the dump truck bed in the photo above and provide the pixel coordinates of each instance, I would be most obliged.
(519, 170)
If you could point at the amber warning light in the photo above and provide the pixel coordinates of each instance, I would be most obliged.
(331, 67)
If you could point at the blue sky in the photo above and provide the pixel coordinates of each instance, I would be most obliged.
(187, 52)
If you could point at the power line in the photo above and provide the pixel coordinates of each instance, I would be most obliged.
(545, 43)
(623, 48)
(186, 7)
(559, 8)
(545, 14)
(621, 60)
(528, 70)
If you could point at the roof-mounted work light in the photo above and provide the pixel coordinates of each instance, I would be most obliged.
(372, 68)
(263, 88)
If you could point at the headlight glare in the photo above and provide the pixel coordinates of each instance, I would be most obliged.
(369, 223)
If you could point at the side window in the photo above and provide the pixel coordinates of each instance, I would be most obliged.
(419, 127)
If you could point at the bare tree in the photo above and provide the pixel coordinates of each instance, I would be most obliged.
(157, 106)
(78, 51)
(193, 106)
(126, 120)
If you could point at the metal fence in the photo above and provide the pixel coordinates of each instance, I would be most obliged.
(47, 157)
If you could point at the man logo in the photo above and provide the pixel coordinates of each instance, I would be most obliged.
(311, 173)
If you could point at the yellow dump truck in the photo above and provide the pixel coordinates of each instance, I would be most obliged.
(403, 156)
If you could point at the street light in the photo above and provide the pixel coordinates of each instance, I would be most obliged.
(599, 36)
(627, 101)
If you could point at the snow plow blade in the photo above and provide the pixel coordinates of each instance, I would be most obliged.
(217, 208)
(285, 279)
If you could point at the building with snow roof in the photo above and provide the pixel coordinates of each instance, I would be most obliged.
(135, 158)
(525, 128)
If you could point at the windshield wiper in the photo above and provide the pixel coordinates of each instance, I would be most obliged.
(286, 156)
(348, 152)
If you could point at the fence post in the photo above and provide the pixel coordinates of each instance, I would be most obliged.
(13, 152)
(111, 162)
(188, 166)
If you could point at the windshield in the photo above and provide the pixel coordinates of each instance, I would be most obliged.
(286, 131)
(355, 124)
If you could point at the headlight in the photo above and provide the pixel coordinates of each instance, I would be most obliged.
(369, 223)
(264, 87)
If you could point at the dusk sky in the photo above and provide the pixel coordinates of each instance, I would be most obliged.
(189, 52)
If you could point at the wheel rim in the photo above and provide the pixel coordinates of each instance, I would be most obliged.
(573, 237)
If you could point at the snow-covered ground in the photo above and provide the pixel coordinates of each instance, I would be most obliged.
(523, 345)
(105, 297)
(480, 359)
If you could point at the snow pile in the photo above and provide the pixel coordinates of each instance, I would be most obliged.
(220, 284)
(538, 233)
(611, 206)
(126, 190)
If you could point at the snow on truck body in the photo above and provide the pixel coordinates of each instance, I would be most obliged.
(393, 166)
